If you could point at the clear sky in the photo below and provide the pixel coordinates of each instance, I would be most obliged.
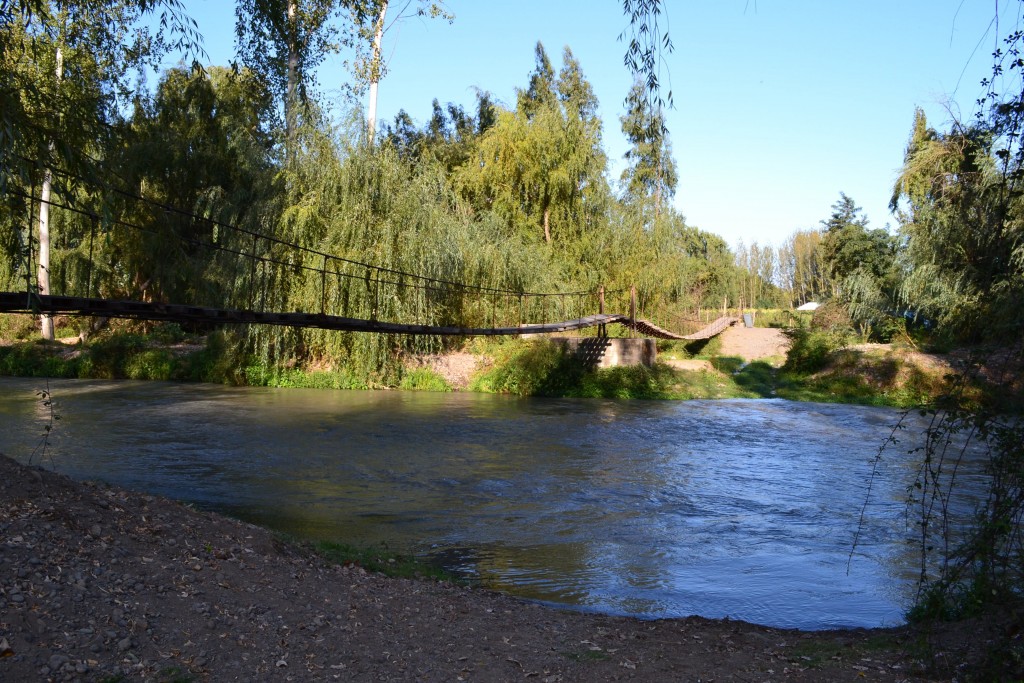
(780, 105)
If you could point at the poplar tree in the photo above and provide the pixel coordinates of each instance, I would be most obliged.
(283, 42)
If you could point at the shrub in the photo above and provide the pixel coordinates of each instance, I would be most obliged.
(810, 350)
(423, 379)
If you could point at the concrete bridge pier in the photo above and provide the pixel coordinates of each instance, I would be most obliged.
(606, 352)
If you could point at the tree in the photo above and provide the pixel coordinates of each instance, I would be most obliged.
(651, 175)
(282, 42)
(845, 239)
(199, 145)
(66, 71)
(802, 269)
(450, 136)
(542, 166)
(371, 20)
(862, 266)
(961, 208)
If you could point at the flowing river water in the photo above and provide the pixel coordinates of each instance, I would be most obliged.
(740, 508)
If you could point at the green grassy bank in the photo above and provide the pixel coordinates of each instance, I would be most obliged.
(820, 366)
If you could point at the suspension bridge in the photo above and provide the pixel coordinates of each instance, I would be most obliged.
(243, 277)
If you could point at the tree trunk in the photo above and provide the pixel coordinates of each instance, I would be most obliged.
(46, 321)
(292, 84)
(547, 224)
(375, 69)
(43, 274)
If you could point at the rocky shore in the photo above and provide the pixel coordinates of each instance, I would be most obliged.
(102, 584)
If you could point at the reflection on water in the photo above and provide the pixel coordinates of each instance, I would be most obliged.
(744, 509)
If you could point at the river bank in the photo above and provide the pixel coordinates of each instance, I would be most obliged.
(741, 363)
(102, 584)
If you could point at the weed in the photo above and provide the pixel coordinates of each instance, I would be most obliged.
(423, 379)
(51, 417)
(586, 655)
(378, 558)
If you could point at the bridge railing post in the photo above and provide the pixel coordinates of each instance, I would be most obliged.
(323, 286)
(632, 304)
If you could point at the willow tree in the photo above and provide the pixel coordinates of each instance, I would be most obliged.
(541, 167)
(198, 144)
(961, 211)
(67, 72)
(650, 176)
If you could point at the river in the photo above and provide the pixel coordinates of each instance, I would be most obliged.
(739, 508)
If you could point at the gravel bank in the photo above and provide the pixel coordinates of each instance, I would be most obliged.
(102, 584)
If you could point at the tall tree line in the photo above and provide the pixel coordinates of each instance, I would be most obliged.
(513, 197)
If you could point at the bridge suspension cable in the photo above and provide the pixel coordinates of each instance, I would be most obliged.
(251, 286)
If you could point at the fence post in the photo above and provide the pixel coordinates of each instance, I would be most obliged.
(632, 304)
(601, 330)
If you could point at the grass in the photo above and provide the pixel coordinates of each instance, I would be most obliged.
(423, 379)
(378, 558)
(814, 654)
(532, 368)
(819, 368)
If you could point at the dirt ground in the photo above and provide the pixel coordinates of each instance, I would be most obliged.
(750, 344)
(456, 368)
(754, 343)
(102, 584)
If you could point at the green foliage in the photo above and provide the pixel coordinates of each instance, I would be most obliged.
(541, 167)
(16, 327)
(423, 379)
(220, 361)
(961, 208)
(707, 348)
(757, 377)
(168, 333)
(524, 367)
(378, 558)
(811, 350)
(651, 175)
(37, 359)
(259, 375)
(543, 368)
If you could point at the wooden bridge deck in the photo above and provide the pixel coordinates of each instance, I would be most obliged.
(19, 302)
(651, 330)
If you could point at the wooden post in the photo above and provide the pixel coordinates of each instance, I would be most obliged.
(601, 332)
(632, 304)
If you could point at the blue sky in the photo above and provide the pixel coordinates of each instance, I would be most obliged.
(780, 105)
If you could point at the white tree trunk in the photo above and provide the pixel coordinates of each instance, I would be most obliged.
(43, 274)
(46, 321)
(292, 82)
(375, 69)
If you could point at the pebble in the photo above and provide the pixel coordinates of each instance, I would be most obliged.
(57, 661)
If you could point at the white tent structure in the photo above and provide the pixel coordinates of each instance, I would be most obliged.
(809, 306)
